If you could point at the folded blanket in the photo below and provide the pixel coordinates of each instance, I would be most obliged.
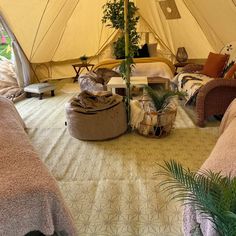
(95, 101)
(96, 81)
(9, 87)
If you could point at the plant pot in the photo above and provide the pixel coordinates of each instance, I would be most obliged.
(84, 61)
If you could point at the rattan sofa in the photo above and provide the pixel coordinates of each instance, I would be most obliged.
(214, 98)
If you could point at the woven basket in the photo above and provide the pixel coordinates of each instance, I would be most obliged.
(157, 124)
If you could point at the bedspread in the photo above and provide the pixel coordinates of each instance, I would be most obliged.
(150, 66)
(30, 199)
(221, 159)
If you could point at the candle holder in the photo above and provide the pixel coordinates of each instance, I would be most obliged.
(181, 55)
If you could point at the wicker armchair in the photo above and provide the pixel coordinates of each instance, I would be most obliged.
(214, 98)
(216, 94)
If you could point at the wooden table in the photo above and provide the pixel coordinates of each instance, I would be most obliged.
(79, 66)
(159, 80)
(118, 82)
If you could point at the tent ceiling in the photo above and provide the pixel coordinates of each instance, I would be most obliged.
(58, 30)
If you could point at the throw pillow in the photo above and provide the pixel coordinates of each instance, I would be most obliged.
(231, 73)
(142, 52)
(215, 64)
(152, 49)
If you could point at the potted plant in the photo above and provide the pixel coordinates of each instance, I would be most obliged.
(212, 194)
(114, 17)
(160, 112)
(83, 59)
(121, 14)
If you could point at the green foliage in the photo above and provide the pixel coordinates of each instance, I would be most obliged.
(4, 49)
(161, 98)
(83, 58)
(212, 194)
(113, 16)
(126, 65)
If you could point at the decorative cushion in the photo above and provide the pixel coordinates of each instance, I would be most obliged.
(152, 49)
(143, 52)
(215, 64)
(231, 73)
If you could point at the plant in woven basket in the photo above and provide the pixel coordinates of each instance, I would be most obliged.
(160, 112)
(212, 195)
(161, 98)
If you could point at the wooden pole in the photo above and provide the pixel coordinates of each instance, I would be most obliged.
(127, 58)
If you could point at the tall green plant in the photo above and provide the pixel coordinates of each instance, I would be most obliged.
(212, 194)
(113, 16)
(121, 14)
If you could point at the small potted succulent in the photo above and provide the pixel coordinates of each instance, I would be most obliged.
(83, 59)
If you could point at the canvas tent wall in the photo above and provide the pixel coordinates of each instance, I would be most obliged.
(58, 32)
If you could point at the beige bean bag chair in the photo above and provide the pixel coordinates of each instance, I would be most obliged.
(96, 116)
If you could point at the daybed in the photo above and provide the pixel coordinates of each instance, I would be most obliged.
(103, 71)
(212, 95)
(221, 159)
(30, 199)
(149, 66)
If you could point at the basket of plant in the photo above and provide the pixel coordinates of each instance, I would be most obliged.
(160, 111)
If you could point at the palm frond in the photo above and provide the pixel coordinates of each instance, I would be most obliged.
(212, 194)
(161, 98)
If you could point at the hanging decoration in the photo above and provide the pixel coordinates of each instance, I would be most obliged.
(169, 9)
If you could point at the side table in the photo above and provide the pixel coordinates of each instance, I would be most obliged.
(159, 80)
(179, 65)
(78, 67)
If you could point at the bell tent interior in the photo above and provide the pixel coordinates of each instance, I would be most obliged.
(89, 159)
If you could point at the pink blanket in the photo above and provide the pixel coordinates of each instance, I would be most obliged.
(222, 158)
(29, 197)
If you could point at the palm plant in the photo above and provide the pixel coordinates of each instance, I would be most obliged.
(121, 14)
(212, 194)
(161, 98)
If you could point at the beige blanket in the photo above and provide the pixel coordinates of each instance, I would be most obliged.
(9, 87)
(94, 101)
(222, 159)
(29, 197)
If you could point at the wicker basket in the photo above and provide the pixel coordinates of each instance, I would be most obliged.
(157, 124)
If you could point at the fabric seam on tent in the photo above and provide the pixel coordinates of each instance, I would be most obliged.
(40, 42)
(155, 34)
(64, 30)
(204, 21)
(38, 28)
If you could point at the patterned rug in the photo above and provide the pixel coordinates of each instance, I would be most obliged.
(71, 88)
(110, 186)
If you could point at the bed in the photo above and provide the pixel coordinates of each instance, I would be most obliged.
(221, 159)
(150, 67)
(30, 199)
